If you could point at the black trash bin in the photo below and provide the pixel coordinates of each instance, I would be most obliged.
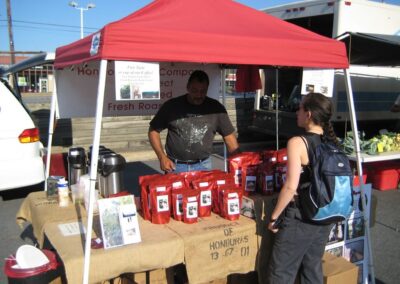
(76, 164)
(36, 275)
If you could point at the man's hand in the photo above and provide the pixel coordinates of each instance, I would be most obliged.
(166, 164)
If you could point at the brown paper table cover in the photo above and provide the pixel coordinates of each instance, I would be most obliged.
(211, 249)
(216, 247)
(160, 248)
(38, 210)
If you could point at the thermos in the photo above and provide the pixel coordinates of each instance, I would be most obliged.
(76, 164)
(101, 180)
(113, 166)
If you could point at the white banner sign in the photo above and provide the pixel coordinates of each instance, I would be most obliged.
(77, 89)
(317, 81)
(137, 81)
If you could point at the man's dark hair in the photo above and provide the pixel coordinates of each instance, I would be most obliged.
(199, 76)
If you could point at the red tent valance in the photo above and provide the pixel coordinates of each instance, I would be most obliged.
(206, 31)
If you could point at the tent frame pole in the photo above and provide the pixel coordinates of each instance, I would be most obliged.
(354, 127)
(223, 74)
(93, 165)
(277, 107)
(50, 137)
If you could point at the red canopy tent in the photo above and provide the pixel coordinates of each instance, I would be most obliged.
(206, 31)
(222, 31)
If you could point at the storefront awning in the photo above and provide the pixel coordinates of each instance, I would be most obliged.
(372, 49)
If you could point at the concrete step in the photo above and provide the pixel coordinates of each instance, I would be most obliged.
(127, 133)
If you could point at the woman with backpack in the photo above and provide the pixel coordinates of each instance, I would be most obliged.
(299, 244)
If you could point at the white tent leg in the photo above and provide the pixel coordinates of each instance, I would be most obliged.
(93, 165)
(51, 131)
(354, 127)
(223, 73)
(277, 108)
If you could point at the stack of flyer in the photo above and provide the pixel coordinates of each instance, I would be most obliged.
(119, 221)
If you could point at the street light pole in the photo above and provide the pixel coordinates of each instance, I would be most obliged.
(10, 33)
(81, 21)
(74, 4)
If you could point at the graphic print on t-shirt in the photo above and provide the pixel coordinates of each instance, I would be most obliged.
(193, 128)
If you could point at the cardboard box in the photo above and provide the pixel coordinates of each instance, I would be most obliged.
(338, 270)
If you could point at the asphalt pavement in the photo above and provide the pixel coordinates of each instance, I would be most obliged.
(385, 233)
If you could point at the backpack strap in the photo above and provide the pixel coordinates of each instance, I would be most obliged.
(311, 142)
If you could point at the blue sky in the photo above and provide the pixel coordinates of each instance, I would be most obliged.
(44, 25)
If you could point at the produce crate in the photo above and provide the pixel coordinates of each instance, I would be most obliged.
(386, 176)
(356, 179)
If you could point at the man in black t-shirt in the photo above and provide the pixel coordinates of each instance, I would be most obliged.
(192, 121)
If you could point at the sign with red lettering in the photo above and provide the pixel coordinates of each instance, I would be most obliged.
(77, 89)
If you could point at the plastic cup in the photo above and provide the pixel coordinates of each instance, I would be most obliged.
(78, 192)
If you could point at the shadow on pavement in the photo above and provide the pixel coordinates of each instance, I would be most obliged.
(21, 192)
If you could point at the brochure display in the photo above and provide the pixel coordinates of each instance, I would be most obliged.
(119, 222)
(348, 238)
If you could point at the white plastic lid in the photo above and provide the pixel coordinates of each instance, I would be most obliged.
(62, 181)
(28, 256)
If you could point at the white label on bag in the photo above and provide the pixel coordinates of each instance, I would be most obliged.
(233, 195)
(205, 198)
(179, 209)
(161, 188)
(162, 203)
(233, 206)
(250, 183)
(191, 211)
(177, 184)
(192, 199)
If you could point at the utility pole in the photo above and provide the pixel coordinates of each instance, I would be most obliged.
(10, 33)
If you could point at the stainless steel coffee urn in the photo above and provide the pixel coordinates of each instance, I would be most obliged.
(101, 180)
(113, 166)
(76, 164)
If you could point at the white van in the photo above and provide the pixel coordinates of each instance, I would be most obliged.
(21, 161)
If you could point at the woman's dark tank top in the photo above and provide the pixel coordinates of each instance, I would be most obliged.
(305, 169)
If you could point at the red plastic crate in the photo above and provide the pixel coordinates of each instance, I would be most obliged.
(356, 179)
(385, 179)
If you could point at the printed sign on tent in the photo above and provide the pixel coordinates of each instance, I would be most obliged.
(77, 89)
(137, 81)
(317, 81)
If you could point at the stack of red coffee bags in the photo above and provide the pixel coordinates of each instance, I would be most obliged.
(263, 172)
(244, 166)
(187, 196)
(280, 168)
(272, 171)
(266, 172)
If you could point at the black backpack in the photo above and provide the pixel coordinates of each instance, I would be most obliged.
(327, 198)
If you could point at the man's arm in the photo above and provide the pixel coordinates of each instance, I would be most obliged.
(231, 144)
(155, 141)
